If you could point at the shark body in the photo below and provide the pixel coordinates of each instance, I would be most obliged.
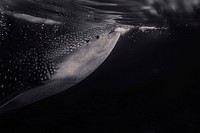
(41, 57)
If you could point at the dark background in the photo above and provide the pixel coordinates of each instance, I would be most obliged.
(149, 84)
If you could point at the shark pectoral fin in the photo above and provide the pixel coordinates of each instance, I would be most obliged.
(36, 94)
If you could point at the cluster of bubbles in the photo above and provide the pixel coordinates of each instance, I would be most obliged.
(3, 27)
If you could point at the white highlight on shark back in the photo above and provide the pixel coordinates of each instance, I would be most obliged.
(122, 30)
(34, 19)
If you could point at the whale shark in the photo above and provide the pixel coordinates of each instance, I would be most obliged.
(41, 56)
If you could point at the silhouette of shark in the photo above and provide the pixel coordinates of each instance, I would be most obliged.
(42, 56)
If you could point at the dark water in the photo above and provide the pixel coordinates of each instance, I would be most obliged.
(149, 83)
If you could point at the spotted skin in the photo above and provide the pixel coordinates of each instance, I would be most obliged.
(32, 52)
